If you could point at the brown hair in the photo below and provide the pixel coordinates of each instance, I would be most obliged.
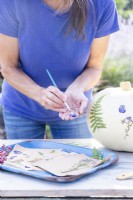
(78, 15)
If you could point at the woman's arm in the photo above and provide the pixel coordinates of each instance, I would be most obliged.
(87, 80)
(92, 73)
(51, 97)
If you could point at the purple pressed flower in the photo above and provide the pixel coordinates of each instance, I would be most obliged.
(122, 109)
(129, 118)
(73, 115)
(3, 146)
(26, 167)
(129, 123)
(8, 149)
(12, 157)
(17, 152)
(4, 152)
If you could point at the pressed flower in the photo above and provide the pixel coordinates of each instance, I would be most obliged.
(4, 152)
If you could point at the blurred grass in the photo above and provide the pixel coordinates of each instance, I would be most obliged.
(125, 14)
(114, 72)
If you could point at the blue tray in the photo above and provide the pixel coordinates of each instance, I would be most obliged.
(65, 147)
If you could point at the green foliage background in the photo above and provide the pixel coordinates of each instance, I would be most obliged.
(125, 7)
(124, 4)
(120, 69)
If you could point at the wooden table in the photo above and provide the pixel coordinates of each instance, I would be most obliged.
(101, 184)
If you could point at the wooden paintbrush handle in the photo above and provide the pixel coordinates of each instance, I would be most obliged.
(125, 176)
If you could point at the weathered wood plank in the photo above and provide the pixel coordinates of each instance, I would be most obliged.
(69, 198)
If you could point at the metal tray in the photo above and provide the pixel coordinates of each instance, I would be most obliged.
(65, 147)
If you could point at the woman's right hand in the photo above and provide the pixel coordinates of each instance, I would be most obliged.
(53, 99)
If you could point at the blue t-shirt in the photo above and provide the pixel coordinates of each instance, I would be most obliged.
(42, 45)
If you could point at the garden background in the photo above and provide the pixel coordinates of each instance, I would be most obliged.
(118, 63)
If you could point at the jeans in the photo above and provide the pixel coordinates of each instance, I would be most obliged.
(21, 128)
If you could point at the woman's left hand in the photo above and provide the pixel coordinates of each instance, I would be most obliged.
(77, 102)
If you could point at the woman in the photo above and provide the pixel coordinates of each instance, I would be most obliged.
(67, 37)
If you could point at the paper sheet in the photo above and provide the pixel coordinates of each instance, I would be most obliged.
(69, 165)
(55, 161)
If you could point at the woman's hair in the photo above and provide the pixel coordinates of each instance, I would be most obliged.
(78, 15)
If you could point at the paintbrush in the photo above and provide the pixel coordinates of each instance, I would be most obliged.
(52, 80)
